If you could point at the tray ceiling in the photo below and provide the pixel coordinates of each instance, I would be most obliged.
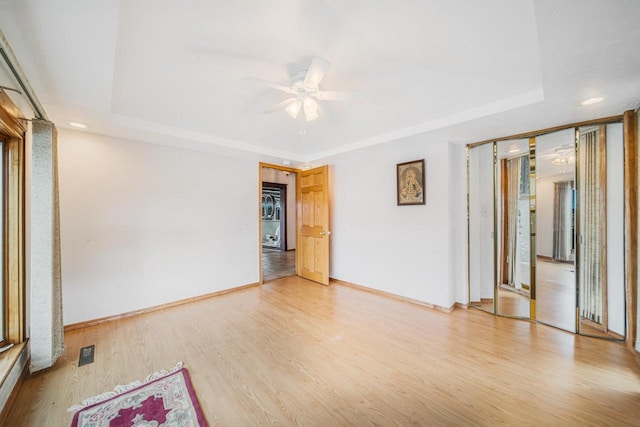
(176, 72)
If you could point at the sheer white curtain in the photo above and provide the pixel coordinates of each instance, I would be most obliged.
(517, 190)
(562, 220)
(590, 272)
(56, 283)
(514, 171)
(45, 290)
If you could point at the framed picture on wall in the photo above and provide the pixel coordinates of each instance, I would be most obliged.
(411, 183)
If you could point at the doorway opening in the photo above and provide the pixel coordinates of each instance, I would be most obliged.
(278, 223)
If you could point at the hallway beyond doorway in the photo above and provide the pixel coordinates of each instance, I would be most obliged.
(277, 264)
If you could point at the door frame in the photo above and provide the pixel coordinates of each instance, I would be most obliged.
(295, 171)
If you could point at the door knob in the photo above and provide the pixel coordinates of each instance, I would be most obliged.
(325, 233)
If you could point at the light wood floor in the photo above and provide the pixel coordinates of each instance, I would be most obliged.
(292, 352)
(556, 294)
(513, 304)
(556, 300)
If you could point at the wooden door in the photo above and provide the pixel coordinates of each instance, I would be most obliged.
(313, 225)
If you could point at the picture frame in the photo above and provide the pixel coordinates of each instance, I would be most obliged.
(410, 183)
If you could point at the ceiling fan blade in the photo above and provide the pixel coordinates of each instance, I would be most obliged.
(317, 70)
(274, 85)
(333, 96)
(279, 106)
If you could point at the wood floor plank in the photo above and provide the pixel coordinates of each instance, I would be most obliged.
(296, 353)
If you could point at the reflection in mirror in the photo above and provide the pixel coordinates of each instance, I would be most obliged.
(555, 230)
(601, 231)
(481, 227)
(273, 224)
(512, 190)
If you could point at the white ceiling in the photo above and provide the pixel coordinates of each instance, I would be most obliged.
(176, 72)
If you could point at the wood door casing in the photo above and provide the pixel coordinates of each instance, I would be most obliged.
(313, 225)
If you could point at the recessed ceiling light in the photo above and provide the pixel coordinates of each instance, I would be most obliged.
(286, 163)
(306, 167)
(592, 101)
(78, 125)
(514, 150)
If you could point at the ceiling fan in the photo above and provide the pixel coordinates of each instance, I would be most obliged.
(306, 91)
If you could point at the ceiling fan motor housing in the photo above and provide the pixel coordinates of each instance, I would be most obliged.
(297, 83)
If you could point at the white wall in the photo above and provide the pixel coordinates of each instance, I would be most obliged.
(458, 231)
(273, 175)
(481, 222)
(144, 224)
(405, 250)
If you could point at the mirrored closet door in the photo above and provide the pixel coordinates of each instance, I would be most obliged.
(513, 231)
(601, 290)
(555, 229)
(546, 229)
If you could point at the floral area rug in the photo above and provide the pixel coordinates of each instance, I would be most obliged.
(162, 399)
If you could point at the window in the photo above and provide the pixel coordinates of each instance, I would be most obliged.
(3, 309)
(12, 240)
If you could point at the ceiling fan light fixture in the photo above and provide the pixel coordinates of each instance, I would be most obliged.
(560, 161)
(305, 87)
(311, 116)
(310, 106)
(293, 109)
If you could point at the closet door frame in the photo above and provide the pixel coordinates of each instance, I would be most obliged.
(630, 135)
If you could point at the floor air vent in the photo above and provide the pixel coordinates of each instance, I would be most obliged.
(86, 355)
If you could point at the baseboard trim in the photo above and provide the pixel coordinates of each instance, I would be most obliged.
(107, 319)
(552, 260)
(480, 301)
(396, 296)
(461, 306)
